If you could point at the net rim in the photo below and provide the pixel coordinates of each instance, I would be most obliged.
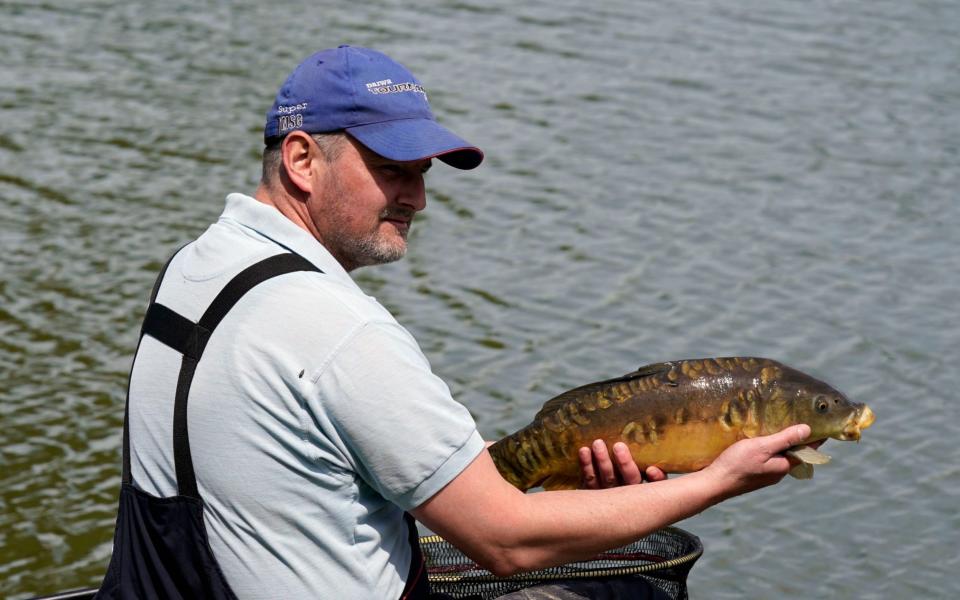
(644, 569)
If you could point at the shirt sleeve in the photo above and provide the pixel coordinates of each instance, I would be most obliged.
(398, 424)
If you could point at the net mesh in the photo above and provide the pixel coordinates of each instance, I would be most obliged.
(663, 558)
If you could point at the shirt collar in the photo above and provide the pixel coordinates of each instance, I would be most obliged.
(270, 223)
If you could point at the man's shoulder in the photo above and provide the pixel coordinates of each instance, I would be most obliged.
(313, 293)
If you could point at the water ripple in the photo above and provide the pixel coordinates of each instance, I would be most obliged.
(662, 181)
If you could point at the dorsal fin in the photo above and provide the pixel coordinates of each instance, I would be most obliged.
(557, 402)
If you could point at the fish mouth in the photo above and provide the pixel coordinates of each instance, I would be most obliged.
(857, 422)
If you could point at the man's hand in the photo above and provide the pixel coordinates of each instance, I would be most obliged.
(598, 470)
(757, 462)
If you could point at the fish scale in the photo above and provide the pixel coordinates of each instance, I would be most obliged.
(678, 416)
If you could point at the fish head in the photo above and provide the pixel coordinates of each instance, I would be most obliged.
(828, 412)
(860, 420)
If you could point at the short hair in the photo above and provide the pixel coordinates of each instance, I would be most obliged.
(330, 144)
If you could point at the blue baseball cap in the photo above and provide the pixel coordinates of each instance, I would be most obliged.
(374, 99)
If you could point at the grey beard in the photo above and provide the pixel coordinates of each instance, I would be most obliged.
(369, 251)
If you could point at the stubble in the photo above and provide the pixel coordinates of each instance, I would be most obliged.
(366, 248)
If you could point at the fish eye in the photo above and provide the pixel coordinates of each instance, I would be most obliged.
(822, 405)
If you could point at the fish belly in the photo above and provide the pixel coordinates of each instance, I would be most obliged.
(681, 448)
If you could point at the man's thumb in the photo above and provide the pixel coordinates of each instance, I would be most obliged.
(789, 437)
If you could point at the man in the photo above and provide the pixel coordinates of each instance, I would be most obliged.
(314, 419)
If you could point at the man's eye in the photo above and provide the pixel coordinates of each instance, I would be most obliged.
(391, 169)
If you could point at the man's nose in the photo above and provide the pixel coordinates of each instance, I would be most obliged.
(414, 193)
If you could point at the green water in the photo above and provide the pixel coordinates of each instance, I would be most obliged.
(663, 180)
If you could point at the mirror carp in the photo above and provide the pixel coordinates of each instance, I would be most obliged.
(678, 416)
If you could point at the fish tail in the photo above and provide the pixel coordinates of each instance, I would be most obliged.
(520, 458)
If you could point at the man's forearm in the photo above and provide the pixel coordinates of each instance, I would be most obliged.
(507, 531)
(554, 528)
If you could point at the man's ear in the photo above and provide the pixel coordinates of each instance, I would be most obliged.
(301, 159)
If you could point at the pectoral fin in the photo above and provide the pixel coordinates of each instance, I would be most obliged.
(808, 455)
(802, 471)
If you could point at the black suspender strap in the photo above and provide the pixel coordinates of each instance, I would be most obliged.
(190, 339)
(417, 585)
(174, 330)
(125, 473)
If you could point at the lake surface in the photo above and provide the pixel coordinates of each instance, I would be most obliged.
(663, 181)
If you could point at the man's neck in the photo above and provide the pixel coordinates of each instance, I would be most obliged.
(289, 207)
(296, 211)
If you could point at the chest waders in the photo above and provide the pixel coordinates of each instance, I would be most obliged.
(160, 546)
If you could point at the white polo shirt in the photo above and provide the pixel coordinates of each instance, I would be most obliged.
(314, 418)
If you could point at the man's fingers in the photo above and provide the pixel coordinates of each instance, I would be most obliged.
(587, 472)
(655, 474)
(605, 472)
(629, 472)
(600, 469)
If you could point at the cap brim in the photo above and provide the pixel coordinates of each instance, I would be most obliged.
(417, 139)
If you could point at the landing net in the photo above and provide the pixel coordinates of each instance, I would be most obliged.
(663, 559)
